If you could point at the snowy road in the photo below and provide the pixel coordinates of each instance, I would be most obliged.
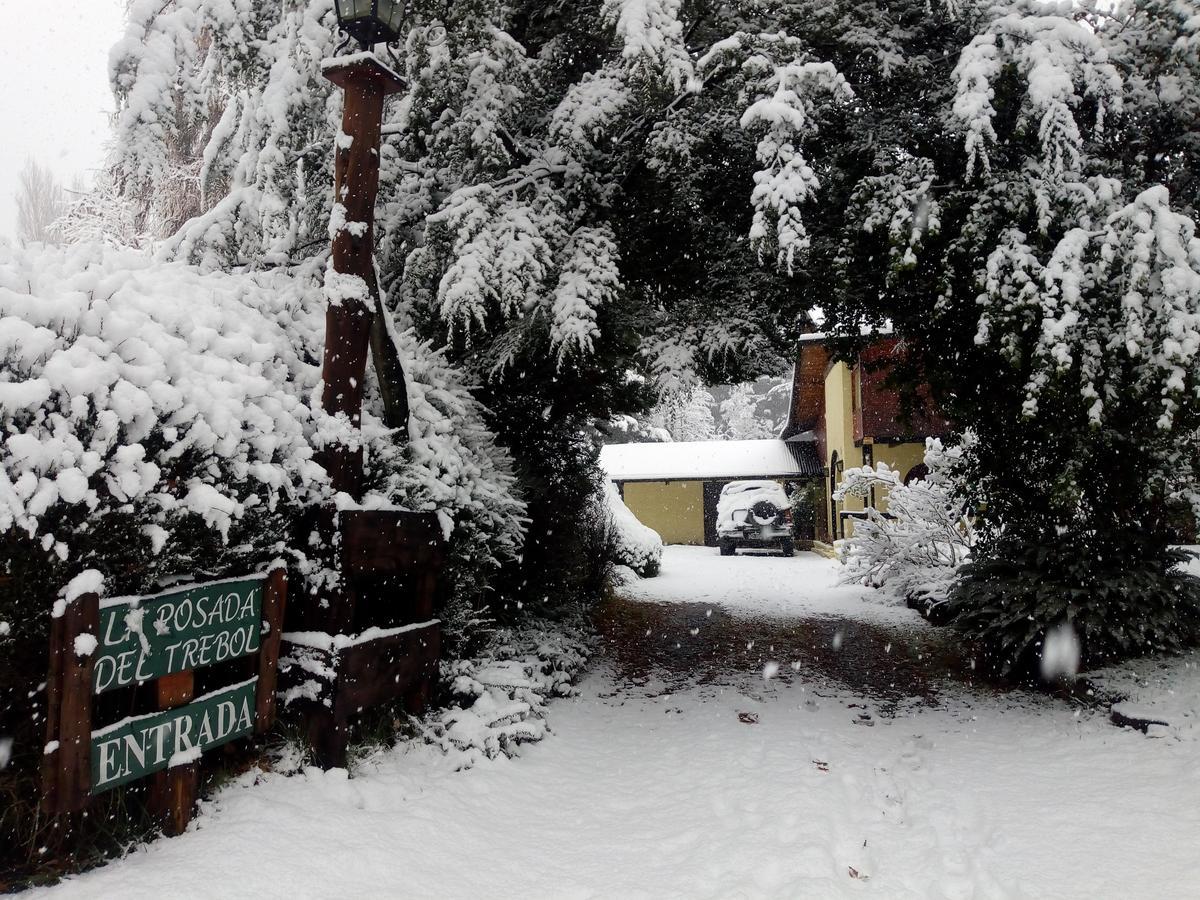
(674, 775)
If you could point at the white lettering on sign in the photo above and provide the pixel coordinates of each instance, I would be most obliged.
(200, 625)
(145, 744)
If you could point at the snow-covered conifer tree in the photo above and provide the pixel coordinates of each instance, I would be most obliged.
(1087, 316)
(743, 421)
(687, 416)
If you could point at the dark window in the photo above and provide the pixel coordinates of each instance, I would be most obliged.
(835, 525)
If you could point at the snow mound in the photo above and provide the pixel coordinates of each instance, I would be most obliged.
(1162, 692)
(85, 644)
(89, 581)
(637, 546)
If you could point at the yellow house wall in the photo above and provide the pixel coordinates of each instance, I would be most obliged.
(839, 434)
(901, 458)
(675, 509)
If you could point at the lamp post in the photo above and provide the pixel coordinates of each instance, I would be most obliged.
(371, 21)
(352, 294)
(388, 560)
(352, 287)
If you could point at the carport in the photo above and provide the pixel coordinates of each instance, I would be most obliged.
(673, 487)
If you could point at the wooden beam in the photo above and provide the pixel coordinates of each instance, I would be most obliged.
(376, 671)
(67, 766)
(274, 603)
(173, 791)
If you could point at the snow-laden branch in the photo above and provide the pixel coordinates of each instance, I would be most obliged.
(589, 278)
(1060, 62)
(652, 38)
(1130, 288)
(787, 182)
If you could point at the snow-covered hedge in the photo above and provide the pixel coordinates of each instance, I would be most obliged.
(125, 383)
(635, 545)
(184, 405)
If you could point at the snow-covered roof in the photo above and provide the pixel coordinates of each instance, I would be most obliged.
(709, 459)
(820, 337)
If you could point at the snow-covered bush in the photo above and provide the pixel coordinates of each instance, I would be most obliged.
(917, 545)
(1009, 603)
(148, 395)
(502, 694)
(636, 545)
(158, 420)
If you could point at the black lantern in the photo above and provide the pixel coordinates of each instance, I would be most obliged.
(371, 22)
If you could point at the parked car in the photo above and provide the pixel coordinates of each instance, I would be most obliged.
(754, 514)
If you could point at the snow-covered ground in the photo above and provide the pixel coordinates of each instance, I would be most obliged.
(764, 584)
(730, 786)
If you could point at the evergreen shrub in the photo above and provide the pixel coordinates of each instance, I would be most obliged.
(1119, 606)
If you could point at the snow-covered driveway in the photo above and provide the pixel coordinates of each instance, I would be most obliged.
(724, 784)
(764, 585)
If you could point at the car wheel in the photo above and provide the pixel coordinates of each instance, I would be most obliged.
(727, 547)
(788, 548)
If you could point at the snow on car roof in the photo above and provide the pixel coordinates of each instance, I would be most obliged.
(740, 487)
(709, 459)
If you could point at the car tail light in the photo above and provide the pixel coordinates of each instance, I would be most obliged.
(787, 516)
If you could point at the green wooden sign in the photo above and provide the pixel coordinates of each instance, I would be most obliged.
(143, 638)
(138, 746)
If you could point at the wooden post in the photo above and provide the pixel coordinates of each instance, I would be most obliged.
(366, 82)
(173, 791)
(274, 601)
(425, 590)
(419, 697)
(328, 736)
(67, 766)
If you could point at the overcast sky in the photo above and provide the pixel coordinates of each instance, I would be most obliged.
(54, 97)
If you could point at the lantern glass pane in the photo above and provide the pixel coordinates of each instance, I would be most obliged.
(391, 12)
(362, 8)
